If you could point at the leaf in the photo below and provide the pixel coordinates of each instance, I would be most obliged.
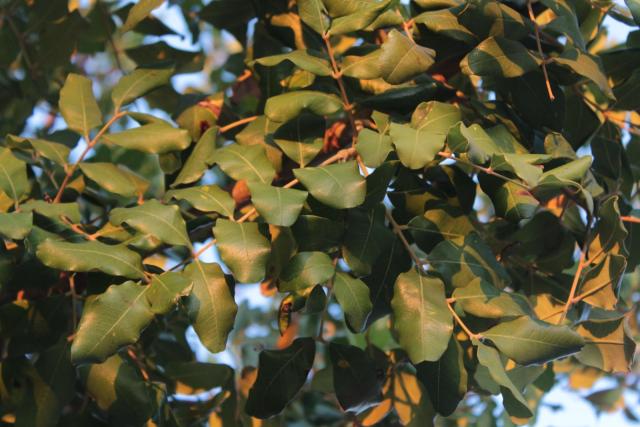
(119, 390)
(78, 105)
(587, 66)
(515, 403)
(312, 13)
(138, 12)
(373, 147)
(243, 249)
(421, 316)
(365, 238)
(211, 307)
(460, 263)
(510, 201)
(282, 108)
(418, 144)
(569, 174)
(277, 205)
(245, 162)
(138, 83)
(155, 138)
(354, 377)
(15, 225)
(306, 269)
(117, 317)
(445, 379)
(162, 221)
(115, 260)
(202, 156)
(634, 8)
(528, 341)
(362, 67)
(602, 281)
(438, 224)
(281, 374)
(402, 59)
(499, 57)
(205, 198)
(338, 185)
(303, 59)
(608, 345)
(411, 401)
(13, 175)
(480, 298)
(56, 152)
(353, 296)
(114, 179)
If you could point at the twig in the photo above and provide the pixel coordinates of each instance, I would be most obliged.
(74, 297)
(544, 64)
(464, 327)
(574, 285)
(397, 229)
(632, 219)
(90, 145)
(237, 123)
(488, 171)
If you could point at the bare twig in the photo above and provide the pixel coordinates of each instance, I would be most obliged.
(542, 56)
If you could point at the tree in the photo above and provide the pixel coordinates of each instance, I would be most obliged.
(437, 197)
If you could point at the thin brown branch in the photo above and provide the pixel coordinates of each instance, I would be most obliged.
(464, 327)
(237, 123)
(574, 285)
(536, 28)
(488, 171)
(631, 219)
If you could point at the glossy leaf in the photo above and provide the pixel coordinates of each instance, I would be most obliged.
(354, 377)
(482, 299)
(243, 162)
(115, 179)
(499, 57)
(528, 341)
(138, 12)
(281, 375)
(138, 83)
(306, 269)
(304, 60)
(402, 59)
(205, 198)
(78, 105)
(13, 175)
(421, 317)
(282, 108)
(243, 249)
(353, 296)
(339, 185)
(91, 256)
(155, 138)
(278, 206)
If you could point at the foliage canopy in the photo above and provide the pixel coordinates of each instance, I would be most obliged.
(437, 197)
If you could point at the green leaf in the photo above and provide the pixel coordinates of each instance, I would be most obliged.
(200, 158)
(243, 249)
(438, 224)
(421, 316)
(245, 162)
(119, 390)
(303, 59)
(515, 402)
(15, 225)
(446, 23)
(419, 143)
(313, 13)
(211, 306)
(114, 179)
(138, 12)
(56, 152)
(362, 67)
(205, 198)
(445, 379)
(78, 106)
(402, 59)
(480, 298)
(338, 185)
(510, 200)
(602, 281)
(587, 66)
(115, 260)
(138, 83)
(155, 138)
(569, 174)
(354, 377)
(277, 205)
(13, 175)
(306, 269)
(162, 221)
(365, 238)
(373, 147)
(117, 317)
(282, 108)
(281, 374)
(528, 341)
(634, 7)
(460, 263)
(608, 344)
(499, 57)
(353, 296)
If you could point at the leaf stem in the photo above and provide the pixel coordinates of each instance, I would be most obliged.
(237, 123)
(574, 285)
(464, 327)
(631, 219)
(488, 171)
(90, 145)
(536, 28)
